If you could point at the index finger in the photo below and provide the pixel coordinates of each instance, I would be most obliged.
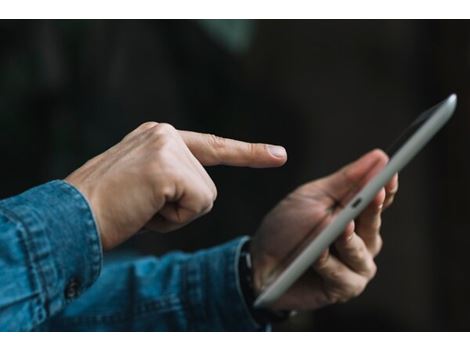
(214, 150)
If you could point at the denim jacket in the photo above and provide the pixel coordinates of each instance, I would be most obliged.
(52, 275)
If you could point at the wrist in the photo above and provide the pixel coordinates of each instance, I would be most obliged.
(74, 181)
(251, 288)
(254, 269)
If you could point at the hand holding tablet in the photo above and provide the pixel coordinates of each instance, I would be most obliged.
(315, 215)
(341, 273)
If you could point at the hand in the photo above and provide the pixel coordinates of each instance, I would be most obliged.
(335, 277)
(155, 178)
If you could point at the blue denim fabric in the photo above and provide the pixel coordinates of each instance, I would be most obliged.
(52, 277)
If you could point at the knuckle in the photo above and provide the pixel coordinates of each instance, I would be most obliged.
(147, 125)
(378, 223)
(161, 135)
(389, 200)
(372, 270)
(392, 191)
(164, 127)
(214, 193)
(321, 262)
(381, 197)
(342, 299)
(179, 220)
(162, 130)
(208, 208)
(208, 203)
(377, 246)
(164, 190)
(184, 219)
(253, 149)
(335, 275)
(373, 227)
(205, 203)
(357, 254)
(358, 288)
(216, 142)
(334, 297)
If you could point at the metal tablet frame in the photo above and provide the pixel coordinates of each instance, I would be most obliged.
(440, 114)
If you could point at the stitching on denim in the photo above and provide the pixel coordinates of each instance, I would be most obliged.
(206, 277)
(31, 263)
(189, 275)
(185, 296)
(93, 242)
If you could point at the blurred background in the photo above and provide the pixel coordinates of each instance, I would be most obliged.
(326, 90)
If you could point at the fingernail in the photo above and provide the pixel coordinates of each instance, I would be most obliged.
(277, 151)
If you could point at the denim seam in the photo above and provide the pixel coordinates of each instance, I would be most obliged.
(93, 242)
(185, 301)
(35, 272)
(192, 276)
(205, 297)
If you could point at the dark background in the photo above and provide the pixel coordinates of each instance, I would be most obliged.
(327, 90)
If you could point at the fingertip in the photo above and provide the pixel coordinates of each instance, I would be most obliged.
(323, 257)
(277, 155)
(376, 205)
(347, 235)
(280, 162)
(378, 155)
(392, 186)
(372, 159)
(380, 198)
(367, 163)
(349, 231)
(277, 151)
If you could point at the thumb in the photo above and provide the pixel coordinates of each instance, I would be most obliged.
(352, 177)
(213, 150)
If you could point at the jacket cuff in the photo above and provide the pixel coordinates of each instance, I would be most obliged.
(213, 290)
(61, 241)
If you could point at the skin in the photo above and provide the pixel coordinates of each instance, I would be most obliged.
(337, 277)
(155, 179)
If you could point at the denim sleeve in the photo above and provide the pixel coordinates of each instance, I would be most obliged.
(50, 253)
(177, 292)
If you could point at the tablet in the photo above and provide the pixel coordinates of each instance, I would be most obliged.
(409, 143)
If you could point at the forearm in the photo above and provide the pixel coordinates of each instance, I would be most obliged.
(50, 255)
(178, 292)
